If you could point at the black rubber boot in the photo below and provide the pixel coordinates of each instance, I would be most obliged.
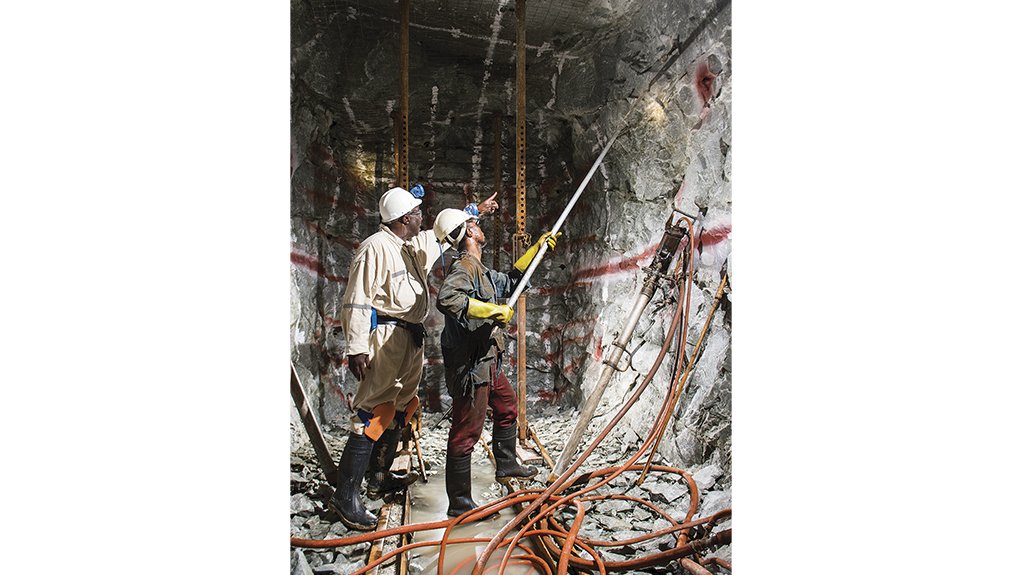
(346, 501)
(381, 481)
(459, 485)
(505, 439)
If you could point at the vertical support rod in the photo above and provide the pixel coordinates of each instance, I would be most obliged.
(496, 229)
(520, 236)
(403, 154)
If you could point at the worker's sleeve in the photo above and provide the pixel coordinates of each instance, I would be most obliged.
(452, 299)
(364, 281)
(426, 243)
(505, 284)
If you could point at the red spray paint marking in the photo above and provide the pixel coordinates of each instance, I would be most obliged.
(559, 290)
(714, 236)
(322, 155)
(616, 266)
(559, 329)
(326, 198)
(708, 238)
(308, 262)
(577, 339)
(312, 264)
(704, 82)
(551, 358)
(550, 395)
(573, 364)
(317, 229)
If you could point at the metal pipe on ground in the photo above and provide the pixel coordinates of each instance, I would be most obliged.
(694, 568)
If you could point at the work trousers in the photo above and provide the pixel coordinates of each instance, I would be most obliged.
(395, 368)
(469, 413)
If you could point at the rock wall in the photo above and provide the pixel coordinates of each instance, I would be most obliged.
(674, 152)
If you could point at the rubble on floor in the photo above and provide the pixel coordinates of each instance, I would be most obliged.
(609, 520)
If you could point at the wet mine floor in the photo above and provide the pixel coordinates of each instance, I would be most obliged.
(429, 503)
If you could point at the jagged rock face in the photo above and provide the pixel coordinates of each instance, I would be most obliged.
(583, 86)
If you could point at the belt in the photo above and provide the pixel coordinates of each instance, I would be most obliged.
(418, 331)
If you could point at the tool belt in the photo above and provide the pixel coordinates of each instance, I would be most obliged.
(418, 332)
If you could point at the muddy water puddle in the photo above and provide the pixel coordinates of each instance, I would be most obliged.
(429, 503)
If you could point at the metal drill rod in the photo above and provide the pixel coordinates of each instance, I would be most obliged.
(593, 401)
(657, 268)
(560, 221)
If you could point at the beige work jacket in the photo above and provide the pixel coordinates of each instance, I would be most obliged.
(387, 274)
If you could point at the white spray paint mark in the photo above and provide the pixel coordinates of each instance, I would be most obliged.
(509, 91)
(334, 200)
(454, 32)
(434, 99)
(358, 126)
(477, 148)
(541, 131)
(601, 141)
(449, 184)
(553, 79)
(390, 110)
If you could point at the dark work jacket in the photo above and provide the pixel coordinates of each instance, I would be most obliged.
(471, 346)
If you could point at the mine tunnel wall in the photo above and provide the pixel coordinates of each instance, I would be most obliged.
(675, 152)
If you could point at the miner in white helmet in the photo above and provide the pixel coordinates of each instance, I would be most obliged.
(473, 351)
(384, 305)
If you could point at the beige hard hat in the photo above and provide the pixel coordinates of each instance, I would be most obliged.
(395, 203)
(449, 220)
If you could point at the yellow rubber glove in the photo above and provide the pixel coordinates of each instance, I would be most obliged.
(482, 310)
(551, 242)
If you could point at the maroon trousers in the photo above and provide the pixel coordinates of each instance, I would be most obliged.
(469, 413)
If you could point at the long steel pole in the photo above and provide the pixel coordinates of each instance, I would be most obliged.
(560, 221)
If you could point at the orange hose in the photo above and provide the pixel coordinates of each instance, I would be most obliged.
(561, 480)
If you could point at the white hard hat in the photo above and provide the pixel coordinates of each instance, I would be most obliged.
(395, 203)
(447, 221)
